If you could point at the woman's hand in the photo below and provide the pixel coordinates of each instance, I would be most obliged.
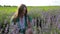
(29, 31)
(29, 25)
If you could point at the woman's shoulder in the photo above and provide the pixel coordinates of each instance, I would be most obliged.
(13, 19)
(29, 18)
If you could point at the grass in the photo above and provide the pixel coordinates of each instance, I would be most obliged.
(45, 8)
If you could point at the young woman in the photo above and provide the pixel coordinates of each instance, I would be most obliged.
(21, 21)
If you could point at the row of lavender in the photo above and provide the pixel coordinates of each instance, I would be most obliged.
(49, 21)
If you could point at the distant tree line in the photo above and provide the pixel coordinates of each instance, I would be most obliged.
(7, 6)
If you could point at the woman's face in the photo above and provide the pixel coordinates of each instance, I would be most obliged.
(24, 11)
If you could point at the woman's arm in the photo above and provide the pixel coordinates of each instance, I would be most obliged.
(29, 22)
(29, 25)
(29, 30)
(11, 25)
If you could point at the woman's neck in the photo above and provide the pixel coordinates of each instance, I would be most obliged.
(21, 16)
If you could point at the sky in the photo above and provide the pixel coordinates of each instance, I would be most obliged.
(30, 2)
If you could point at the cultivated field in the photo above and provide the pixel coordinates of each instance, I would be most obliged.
(48, 16)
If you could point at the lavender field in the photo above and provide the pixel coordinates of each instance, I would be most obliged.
(45, 19)
(49, 20)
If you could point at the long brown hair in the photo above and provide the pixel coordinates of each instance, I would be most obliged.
(19, 12)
